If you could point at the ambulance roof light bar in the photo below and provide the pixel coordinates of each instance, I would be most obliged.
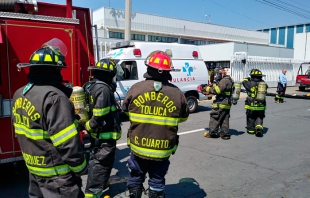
(122, 44)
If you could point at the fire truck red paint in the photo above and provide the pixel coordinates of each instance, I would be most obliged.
(24, 32)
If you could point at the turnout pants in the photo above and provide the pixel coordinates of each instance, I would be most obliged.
(99, 168)
(138, 168)
(219, 119)
(254, 120)
(280, 93)
(63, 186)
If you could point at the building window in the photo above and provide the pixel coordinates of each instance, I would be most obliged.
(266, 30)
(290, 37)
(138, 37)
(308, 28)
(273, 36)
(162, 39)
(281, 35)
(193, 42)
(118, 35)
(299, 28)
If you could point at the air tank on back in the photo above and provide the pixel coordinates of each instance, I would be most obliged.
(261, 91)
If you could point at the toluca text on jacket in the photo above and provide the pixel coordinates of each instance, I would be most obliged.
(153, 143)
(25, 104)
(154, 96)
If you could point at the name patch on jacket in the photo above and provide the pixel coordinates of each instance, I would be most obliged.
(34, 160)
(29, 108)
(152, 143)
(167, 103)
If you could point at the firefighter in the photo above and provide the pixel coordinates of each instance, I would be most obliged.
(103, 126)
(45, 126)
(155, 108)
(255, 107)
(282, 81)
(219, 116)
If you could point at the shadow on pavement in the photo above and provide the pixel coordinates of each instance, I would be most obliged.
(235, 132)
(187, 187)
(118, 181)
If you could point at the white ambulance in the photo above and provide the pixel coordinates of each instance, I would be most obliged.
(189, 69)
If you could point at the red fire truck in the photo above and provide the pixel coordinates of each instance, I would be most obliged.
(24, 27)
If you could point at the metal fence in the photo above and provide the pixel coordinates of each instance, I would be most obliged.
(271, 68)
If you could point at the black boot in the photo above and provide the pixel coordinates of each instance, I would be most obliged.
(259, 132)
(135, 192)
(156, 194)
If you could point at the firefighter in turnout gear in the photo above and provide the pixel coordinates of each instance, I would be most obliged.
(45, 126)
(155, 108)
(219, 116)
(103, 126)
(255, 103)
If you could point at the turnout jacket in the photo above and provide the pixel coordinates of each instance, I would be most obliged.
(45, 126)
(223, 91)
(154, 117)
(102, 109)
(251, 87)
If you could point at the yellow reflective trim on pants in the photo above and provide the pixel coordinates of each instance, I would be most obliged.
(220, 106)
(227, 93)
(49, 171)
(98, 195)
(158, 120)
(101, 112)
(251, 131)
(64, 135)
(159, 154)
(34, 134)
(254, 108)
(79, 168)
(108, 135)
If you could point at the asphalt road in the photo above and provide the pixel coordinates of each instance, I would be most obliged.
(275, 165)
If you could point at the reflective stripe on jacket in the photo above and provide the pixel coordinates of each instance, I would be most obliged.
(45, 126)
(102, 108)
(154, 117)
(223, 93)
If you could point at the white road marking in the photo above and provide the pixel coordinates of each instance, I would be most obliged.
(182, 133)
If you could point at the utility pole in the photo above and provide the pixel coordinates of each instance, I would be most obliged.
(128, 20)
(306, 46)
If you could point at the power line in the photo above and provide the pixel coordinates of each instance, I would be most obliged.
(281, 7)
(300, 3)
(294, 6)
(239, 13)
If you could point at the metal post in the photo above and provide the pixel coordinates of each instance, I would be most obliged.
(101, 48)
(69, 8)
(306, 45)
(97, 45)
(128, 20)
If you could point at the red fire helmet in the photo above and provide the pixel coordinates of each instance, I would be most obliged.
(159, 60)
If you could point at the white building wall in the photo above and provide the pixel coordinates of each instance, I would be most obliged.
(302, 46)
(224, 51)
(217, 52)
(114, 19)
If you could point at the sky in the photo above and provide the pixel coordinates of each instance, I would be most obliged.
(244, 14)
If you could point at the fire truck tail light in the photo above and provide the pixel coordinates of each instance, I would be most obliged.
(137, 52)
(195, 54)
